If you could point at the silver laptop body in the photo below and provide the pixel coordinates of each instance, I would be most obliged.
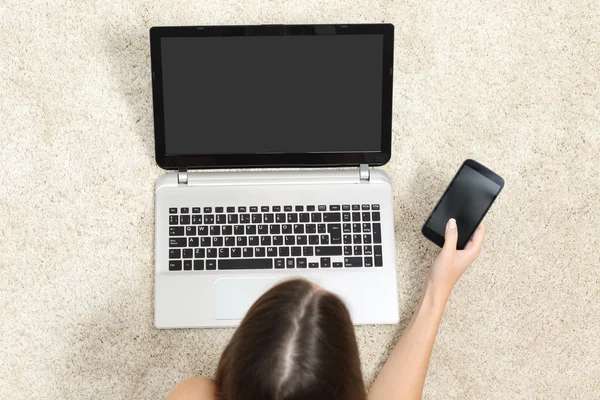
(225, 237)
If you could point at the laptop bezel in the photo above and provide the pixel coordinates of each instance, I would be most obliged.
(206, 161)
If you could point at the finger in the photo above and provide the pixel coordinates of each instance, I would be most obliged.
(450, 237)
(473, 247)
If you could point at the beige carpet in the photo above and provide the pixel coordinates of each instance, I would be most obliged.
(513, 84)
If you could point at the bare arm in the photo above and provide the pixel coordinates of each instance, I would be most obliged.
(403, 375)
(196, 388)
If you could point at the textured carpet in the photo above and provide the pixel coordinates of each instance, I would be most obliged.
(513, 84)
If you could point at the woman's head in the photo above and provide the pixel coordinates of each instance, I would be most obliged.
(296, 342)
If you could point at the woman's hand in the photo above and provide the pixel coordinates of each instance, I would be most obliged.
(450, 264)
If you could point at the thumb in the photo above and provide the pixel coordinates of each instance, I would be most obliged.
(450, 237)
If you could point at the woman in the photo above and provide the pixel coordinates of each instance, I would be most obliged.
(297, 343)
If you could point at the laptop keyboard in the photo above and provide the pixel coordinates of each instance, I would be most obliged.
(274, 237)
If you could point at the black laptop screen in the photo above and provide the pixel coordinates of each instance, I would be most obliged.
(272, 94)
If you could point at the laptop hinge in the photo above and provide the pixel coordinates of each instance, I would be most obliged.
(182, 177)
(364, 172)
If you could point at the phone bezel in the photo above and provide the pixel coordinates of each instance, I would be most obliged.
(486, 172)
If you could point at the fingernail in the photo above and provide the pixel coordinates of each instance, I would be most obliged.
(452, 223)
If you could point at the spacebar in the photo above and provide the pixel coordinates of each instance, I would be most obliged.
(249, 263)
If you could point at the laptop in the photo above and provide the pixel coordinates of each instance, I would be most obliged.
(265, 108)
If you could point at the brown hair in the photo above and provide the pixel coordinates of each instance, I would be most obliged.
(296, 342)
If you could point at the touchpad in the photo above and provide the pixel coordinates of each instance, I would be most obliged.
(234, 296)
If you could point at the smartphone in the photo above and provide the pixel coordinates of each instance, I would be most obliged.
(467, 199)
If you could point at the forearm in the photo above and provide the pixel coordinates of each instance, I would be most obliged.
(403, 375)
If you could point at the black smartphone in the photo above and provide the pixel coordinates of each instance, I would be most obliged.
(467, 199)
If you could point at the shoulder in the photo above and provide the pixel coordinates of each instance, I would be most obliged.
(196, 388)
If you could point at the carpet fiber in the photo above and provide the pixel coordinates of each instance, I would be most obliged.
(513, 84)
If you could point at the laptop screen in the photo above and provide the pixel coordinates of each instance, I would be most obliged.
(272, 94)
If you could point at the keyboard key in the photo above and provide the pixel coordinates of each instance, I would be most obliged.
(253, 241)
(211, 265)
(190, 231)
(346, 207)
(355, 217)
(215, 230)
(230, 209)
(378, 261)
(366, 227)
(313, 239)
(366, 216)
(279, 263)
(322, 208)
(377, 250)
(328, 250)
(241, 241)
(230, 241)
(219, 210)
(277, 240)
(207, 210)
(338, 265)
(310, 208)
(196, 219)
(368, 262)
(242, 209)
(274, 229)
(176, 231)
(257, 218)
(247, 252)
(209, 219)
(271, 251)
(347, 239)
(174, 265)
(366, 207)
(205, 241)
(184, 220)
(187, 265)
(196, 210)
(244, 218)
(227, 230)
(366, 239)
(376, 234)
(221, 219)
(265, 240)
(284, 251)
(307, 251)
(313, 265)
(236, 252)
(299, 208)
(347, 250)
(324, 239)
(199, 253)
(276, 208)
(177, 242)
(286, 229)
(346, 217)
(325, 262)
(298, 228)
(347, 228)
(311, 228)
(250, 229)
(301, 263)
(217, 241)
(321, 228)
(289, 263)
(374, 206)
(253, 209)
(280, 218)
(357, 250)
(194, 242)
(173, 220)
(292, 218)
(238, 230)
(287, 208)
(269, 218)
(174, 253)
(315, 217)
(334, 208)
(264, 209)
(211, 253)
(332, 217)
(301, 240)
(355, 207)
(198, 265)
(296, 251)
(357, 239)
(185, 210)
(368, 250)
(259, 252)
(304, 217)
(232, 219)
(290, 240)
(203, 230)
(172, 210)
(376, 216)
(353, 261)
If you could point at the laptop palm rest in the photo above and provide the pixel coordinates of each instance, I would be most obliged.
(234, 296)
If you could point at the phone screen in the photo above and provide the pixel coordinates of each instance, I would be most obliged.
(467, 199)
